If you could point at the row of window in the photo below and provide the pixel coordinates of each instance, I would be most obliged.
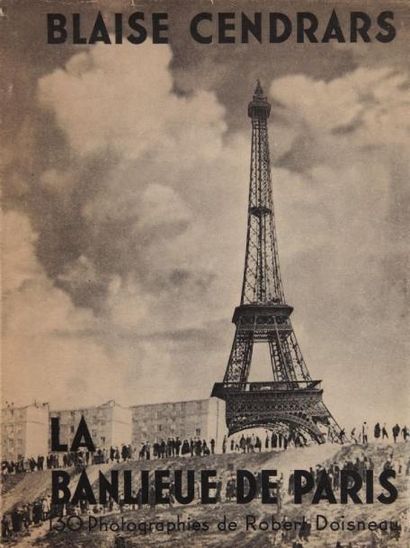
(145, 433)
(14, 413)
(90, 415)
(10, 429)
(8, 442)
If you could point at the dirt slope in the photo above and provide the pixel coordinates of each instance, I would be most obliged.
(284, 462)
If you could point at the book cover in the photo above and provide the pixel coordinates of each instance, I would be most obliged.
(205, 302)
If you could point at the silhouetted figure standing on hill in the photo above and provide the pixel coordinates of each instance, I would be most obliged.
(258, 444)
(205, 449)
(6, 531)
(384, 432)
(218, 493)
(396, 432)
(291, 484)
(365, 433)
(377, 430)
(185, 447)
(353, 435)
(305, 530)
(151, 496)
(16, 520)
(37, 512)
(274, 440)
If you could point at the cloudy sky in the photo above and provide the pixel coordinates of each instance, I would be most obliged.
(125, 195)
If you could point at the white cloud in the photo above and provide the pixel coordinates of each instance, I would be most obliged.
(43, 351)
(49, 352)
(19, 262)
(121, 99)
(340, 224)
(175, 186)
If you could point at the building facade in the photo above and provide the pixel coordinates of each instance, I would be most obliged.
(204, 419)
(110, 424)
(24, 431)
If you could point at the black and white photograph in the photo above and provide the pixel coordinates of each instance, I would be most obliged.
(205, 273)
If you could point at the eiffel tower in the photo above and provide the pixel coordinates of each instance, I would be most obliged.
(292, 402)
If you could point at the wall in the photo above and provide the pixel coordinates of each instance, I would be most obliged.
(188, 419)
(24, 431)
(121, 426)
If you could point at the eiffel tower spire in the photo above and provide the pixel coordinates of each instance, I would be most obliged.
(261, 281)
(292, 401)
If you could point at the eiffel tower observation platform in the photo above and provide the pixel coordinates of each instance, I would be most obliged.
(297, 405)
(222, 389)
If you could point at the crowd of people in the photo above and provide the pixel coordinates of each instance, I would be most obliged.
(175, 447)
(66, 460)
(271, 441)
(35, 464)
(25, 516)
(359, 465)
(380, 432)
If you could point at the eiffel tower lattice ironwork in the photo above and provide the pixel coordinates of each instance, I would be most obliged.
(292, 402)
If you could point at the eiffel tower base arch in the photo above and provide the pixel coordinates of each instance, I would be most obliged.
(264, 405)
